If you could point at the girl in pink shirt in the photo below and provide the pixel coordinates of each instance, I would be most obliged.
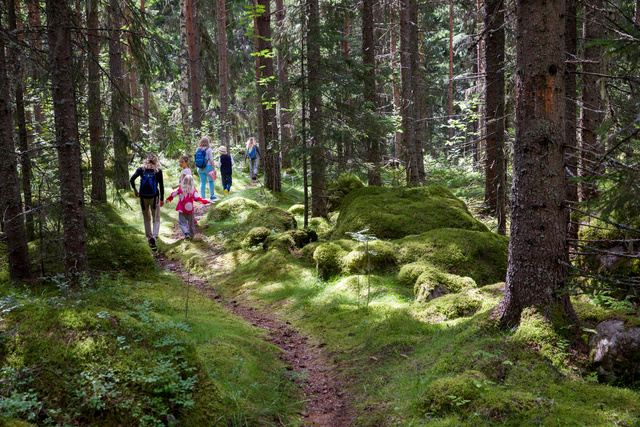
(187, 196)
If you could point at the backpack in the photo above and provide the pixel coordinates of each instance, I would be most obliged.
(201, 158)
(148, 187)
(252, 153)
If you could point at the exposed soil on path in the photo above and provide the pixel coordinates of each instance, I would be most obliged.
(323, 386)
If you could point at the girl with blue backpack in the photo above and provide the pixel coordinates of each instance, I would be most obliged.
(253, 152)
(206, 171)
(151, 196)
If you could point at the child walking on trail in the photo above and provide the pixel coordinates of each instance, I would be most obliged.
(206, 171)
(187, 195)
(253, 152)
(225, 164)
(186, 170)
(151, 196)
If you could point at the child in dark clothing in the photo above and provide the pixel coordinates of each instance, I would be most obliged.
(225, 164)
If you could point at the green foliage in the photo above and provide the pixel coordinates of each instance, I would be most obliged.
(392, 213)
(271, 217)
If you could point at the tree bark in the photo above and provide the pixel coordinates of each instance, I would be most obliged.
(10, 201)
(318, 165)
(283, 110)
(94, 105)
(25, 161)
(495, 194)
(397, 98)
(67, 142)
(223, 73)
(369, 62)
(266, 89)
(407, 111)
(538, 255)
(118, 119)
(184, 74)
(418, 86)
(591, 114)
(571, 155)
(35, 71)
(450, 68)
(145, 87)
(194, 63)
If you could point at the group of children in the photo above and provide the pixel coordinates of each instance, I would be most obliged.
(151, 192)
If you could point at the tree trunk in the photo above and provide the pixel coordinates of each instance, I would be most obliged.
(369, 62)
(25, 161)
(66, 123)
(538, 253)
(591, 116)
(283, 110)
(145, 88)
(478, 148)
(450, 68)
(407, 112)
(10, 201)
(35, 72)
(194, 62)
(94, 105)
(495, 198)
(266, 90)
(571, 157)
(318, 165)
(223, 76)
(184, 74)
(120, 139)
(418, 86)
(397, 98)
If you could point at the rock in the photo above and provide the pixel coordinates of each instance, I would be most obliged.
(615, 351)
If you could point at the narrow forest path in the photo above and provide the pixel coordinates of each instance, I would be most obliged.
(328, 402)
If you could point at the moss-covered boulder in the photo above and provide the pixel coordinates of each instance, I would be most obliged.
(393, 213)
(297, 209)
(330, 256)
(453, 306)
(434, 283)
(479, 255)
(271, 217)
(337, 190)
(291, 240)
(377, 255)
(237, 208)
(449, 394)
(256, 236)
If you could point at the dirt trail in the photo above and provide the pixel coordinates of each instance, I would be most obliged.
(327, 401)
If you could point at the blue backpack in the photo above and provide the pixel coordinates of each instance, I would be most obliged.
(201, 158)
(148, 187)
(252, 153)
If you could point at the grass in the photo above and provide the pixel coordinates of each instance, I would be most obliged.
(439, 363)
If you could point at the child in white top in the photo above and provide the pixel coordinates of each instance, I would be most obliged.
(184, 164)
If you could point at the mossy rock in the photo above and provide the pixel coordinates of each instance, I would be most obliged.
(290, 172)
(297, 209)
(271, 217)
(236, 207)
(113, 245)
(379, 255)
(455, 393)
(434, 283)
(337, 190)
(409, 273)
(453, 306)
(480, 255)
(329, 257)
(393, 213)
(322, 227)
(256, 236)
(290, 240)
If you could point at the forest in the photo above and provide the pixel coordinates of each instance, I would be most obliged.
(441, 225)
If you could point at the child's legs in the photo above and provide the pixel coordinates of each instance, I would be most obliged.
(203, 183)
(183, 222)
(211, 181)
(226, 182)
(191, 224)
(254, 168)
(145, 204)
(155, 212)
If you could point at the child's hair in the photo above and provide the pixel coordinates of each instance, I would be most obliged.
(251, 142)
(151, 162)
(187, 185)
(186, 159)
(204, 142)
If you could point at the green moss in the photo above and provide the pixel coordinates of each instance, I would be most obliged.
(322, 227)
(433, 283)
(256, 236)
(451, 394)
(479, 255)
(380, 255)
(409, 273)
(337, 190)
(237, 208)
(271, 217)
(453, 306)
(393, 213)
(329, 257)
(297, 209)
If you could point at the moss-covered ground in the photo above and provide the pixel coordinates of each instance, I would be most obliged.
(125, 340)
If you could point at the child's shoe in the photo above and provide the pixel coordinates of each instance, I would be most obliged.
(226, 192)
(212, 198)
